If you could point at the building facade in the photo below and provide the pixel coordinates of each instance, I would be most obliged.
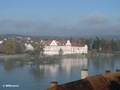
(53, 47)
(28, 47)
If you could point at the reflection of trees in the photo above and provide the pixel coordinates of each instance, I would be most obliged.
(21, 65)
(10, 64)
(102, 63)
(36, 71)
(96, 62)
(1, 60)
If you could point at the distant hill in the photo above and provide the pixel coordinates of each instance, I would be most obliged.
(62, 37)
(104, 36)
(12, 35)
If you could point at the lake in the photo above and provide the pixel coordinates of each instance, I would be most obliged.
(16, 76)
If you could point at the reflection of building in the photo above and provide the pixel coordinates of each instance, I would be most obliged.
(51, 69)
(65, 65)
(53, 47)
(70, 63)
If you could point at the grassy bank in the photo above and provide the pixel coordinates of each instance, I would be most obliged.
(74, 56)
(12, 56)
(89, 55)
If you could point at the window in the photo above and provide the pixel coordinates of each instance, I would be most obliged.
(73, 49)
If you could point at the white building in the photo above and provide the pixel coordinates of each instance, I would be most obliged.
(53, 47)
(1, 42)
(28, 47)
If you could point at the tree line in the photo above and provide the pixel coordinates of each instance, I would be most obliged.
(16, 47)
(94, 46)
(12, 47)
(103, 45)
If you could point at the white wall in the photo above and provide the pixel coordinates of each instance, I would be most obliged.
(29, 47)
(67, 49)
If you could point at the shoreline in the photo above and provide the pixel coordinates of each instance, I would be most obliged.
(12, 56)
(64, 56)
(50, 59)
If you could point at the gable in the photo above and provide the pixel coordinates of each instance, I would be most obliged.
(53, 42)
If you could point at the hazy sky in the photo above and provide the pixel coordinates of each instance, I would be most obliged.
(60, 17)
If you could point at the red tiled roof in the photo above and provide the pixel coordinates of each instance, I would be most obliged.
(60, 43)
(114, 79)
(97, 82)
(75, 44)
(46, 42)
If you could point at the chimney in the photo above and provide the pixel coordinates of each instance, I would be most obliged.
(107, 72)
(117, 70)
(53, 84)
(84, 73)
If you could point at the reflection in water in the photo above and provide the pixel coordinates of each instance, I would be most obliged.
(37, 72)
(52, 69)
(65, 66)
(10, 64)
(68, 69)
(98, 65)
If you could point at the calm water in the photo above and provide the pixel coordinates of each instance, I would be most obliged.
(38, 77)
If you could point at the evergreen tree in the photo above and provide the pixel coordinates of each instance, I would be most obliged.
(88, 44)
(60, 52)
(113, 45)
(71, 39)
(98, 44)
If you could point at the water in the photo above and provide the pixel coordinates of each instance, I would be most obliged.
(38, 77)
